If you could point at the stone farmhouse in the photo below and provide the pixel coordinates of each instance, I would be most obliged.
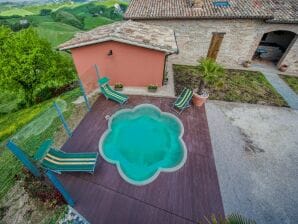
(230, 31)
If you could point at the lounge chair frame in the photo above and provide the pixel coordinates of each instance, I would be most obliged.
(105, 82)
(47, 146)
(186, 105)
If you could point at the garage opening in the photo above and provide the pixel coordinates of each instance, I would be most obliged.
(274, 46)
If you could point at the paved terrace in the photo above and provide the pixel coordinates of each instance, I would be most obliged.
(184, 196)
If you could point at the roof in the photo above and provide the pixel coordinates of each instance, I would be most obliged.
(282, 11)
(129, 32)
(285, 11)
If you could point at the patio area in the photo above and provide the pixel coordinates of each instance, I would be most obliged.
(184, 196)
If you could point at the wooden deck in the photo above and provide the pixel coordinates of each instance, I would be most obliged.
(184, 196)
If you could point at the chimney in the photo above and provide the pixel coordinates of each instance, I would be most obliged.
(198, 4)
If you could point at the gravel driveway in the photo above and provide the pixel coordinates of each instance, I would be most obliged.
(256, 154)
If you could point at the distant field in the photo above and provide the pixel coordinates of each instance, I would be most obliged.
(77, 17)
(16, 11)
(92, 22)
(109, 3)
(35, 9)
(36, 20)
(55, 32)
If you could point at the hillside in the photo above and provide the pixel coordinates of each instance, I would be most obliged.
(16, 11)
(58, 22)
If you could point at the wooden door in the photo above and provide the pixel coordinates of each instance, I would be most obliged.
(215, 45)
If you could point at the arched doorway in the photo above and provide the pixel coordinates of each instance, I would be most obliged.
(274, 46)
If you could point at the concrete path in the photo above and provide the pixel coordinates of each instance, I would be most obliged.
(255, 151)
(281, 87)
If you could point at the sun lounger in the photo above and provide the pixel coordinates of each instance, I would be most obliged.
(183, 101)
(109, 93)
(59, 161)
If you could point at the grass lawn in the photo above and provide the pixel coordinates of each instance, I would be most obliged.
(239, 86)
(8, 102)
(11, 124)
(292, 81)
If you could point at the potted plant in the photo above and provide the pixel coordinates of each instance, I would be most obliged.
(118, 86)
(247, 63)
(152, 88)
(210, 73)
(283, 68)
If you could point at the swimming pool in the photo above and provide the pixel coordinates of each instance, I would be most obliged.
(142, 142)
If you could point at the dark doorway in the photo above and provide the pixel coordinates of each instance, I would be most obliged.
(274, 46)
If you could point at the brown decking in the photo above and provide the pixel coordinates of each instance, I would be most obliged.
(184, 196)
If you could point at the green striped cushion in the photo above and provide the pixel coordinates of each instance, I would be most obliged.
(60, 161)
(112, 94)
(184, 98)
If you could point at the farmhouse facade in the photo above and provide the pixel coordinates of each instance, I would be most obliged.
(231, 31)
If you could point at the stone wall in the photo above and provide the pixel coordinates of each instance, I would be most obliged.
(239, 44)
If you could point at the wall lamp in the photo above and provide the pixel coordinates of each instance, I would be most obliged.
(110, 53)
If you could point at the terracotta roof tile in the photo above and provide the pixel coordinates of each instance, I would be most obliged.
(285, 11)
(130, 32)
(271, 10)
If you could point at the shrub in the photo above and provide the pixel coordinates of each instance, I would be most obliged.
(18, 26)
(48, 92)
(3, 211)
(45, 12)
(40, 189)
(231, 219)
(152, 88)
(118, 85)
(10, 17)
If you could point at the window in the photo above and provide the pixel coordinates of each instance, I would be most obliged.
(221, 4)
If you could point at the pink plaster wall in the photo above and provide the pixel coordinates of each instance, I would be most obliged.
(130, 65)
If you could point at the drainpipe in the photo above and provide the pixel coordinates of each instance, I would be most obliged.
(166, 57)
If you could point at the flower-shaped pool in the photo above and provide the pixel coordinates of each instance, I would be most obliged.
(142, 142)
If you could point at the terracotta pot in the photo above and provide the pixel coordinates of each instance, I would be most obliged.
(199, 100)
(152, 90)
(283, 68)
(118, 88)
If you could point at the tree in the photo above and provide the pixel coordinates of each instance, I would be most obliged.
(210, 73)
(28, 64)
(45, 12)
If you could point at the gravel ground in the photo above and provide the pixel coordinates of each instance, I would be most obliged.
(256, 154)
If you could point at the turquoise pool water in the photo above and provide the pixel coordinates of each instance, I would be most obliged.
(142, 142)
